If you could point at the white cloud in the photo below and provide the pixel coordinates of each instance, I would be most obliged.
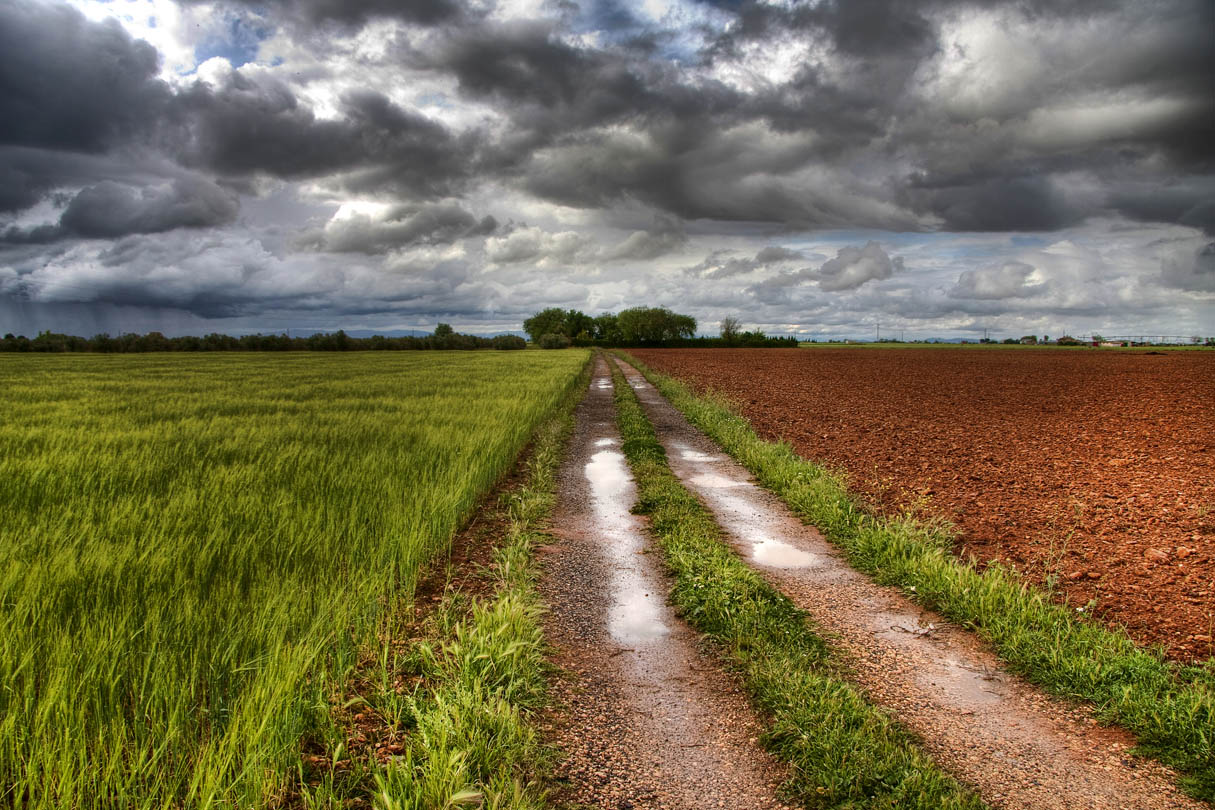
(854, 266)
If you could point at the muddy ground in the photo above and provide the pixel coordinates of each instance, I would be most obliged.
(1094, 470)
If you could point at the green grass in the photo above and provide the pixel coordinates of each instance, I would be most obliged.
(195, 548)
(469, 737)
(843, 752)
(1170, 708)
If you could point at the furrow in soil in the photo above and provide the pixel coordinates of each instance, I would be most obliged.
(644, 718)
(1015, 745)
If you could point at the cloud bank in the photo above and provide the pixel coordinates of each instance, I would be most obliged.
(950, 166)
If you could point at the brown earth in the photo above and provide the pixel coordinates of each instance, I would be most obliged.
(1093, 469)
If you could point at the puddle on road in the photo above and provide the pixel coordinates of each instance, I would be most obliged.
(609, 478)
(901, 628)
(635, 616)
(738, 512)
(715, 481)
(966, 684)
(688, 453)
(781, 555)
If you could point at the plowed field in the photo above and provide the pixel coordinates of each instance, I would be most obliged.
(1094, 470)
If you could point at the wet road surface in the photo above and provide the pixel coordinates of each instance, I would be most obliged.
(645, 720)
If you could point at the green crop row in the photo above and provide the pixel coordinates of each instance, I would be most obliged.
(194, 549)
(1170, 708)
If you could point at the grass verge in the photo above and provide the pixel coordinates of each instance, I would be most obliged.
(452, 708)
(844, 752)
(1169, 707)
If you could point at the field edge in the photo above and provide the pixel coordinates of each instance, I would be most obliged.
(468, 683)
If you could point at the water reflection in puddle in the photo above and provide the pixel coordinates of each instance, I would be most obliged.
(635, 616)
(781, 555)
(609, 478)
(715, 481)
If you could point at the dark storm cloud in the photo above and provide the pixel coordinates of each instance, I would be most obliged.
(247, 126)
(666, 236)
(1196, 275)
(73, 84)
(550, 87)
(1190, 202)
(354, 12)
(997, 204)
(109, 210)
(434, 224)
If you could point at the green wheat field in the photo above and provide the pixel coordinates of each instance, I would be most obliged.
(194, 548)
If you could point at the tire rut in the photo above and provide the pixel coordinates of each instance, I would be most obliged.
(644, 718)
(1017, 746)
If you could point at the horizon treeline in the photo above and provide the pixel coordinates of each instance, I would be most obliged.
(444, 337)
(551, 328)
(637, 326)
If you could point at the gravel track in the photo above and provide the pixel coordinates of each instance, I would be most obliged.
(644, 718)
(1016, 746)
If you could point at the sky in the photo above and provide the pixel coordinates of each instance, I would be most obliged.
(843, 168)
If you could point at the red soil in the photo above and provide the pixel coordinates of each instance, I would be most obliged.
(1097, 467)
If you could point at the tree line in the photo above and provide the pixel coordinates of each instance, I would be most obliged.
(639, 326)
(551, 328)
(444, 337)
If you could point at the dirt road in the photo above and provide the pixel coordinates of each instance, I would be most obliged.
(645, 719)
(1017, 747)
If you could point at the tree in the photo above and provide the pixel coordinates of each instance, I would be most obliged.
(729, 328)
(607, 329)
(444, 330)
(549, 321)
(654, 325)
(578, 325)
